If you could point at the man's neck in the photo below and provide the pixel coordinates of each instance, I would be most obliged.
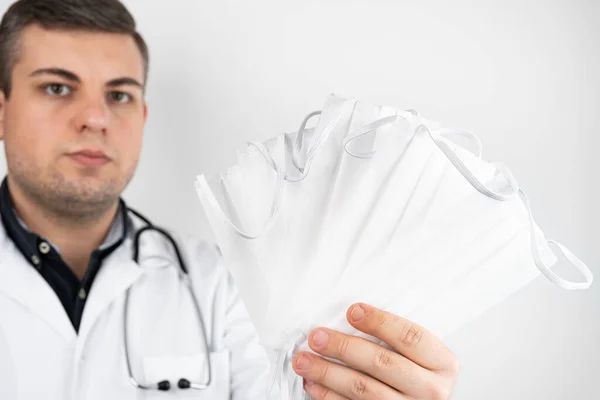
(75, 239)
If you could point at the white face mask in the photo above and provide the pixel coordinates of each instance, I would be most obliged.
(375, 205)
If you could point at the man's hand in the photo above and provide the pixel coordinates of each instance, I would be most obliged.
(420, 368)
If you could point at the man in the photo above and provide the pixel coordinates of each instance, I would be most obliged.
(73, 76)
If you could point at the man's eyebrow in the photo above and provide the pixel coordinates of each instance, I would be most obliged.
(63, 73)
(124, 81)
(70, 76)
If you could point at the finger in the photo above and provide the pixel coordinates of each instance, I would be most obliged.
(318, 392)
(379, 362)
(406, 337)
(342, 380)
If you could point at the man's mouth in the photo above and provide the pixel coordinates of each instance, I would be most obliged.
(90, 157)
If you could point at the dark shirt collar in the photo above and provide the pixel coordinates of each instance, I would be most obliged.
(28, 242)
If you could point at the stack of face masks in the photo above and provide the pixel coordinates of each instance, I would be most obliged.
(376, 205)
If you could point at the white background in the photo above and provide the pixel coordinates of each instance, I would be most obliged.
(524, 76)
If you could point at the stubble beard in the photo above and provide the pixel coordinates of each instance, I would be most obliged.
(75, 201)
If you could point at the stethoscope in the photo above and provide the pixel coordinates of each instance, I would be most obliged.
(163, 385)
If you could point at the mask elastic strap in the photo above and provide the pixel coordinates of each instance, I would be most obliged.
(282, 373)
(205, 192)
(300, 140)
(572, 258)
(317, 143)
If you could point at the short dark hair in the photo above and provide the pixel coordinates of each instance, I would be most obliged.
(109, 16)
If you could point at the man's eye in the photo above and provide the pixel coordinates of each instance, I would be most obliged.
(120, 97)
(57, 89)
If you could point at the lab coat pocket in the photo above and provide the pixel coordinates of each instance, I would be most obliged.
(192, 367)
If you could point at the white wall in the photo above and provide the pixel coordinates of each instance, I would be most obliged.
(522, 75)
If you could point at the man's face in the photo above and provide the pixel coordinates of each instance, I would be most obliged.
(74, 120)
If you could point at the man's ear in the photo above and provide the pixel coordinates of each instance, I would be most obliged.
(2, 107)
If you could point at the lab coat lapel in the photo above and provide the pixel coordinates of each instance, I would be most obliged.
(116, 275)
(20, 281)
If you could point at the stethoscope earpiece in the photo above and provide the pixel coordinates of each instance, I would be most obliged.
(183, 384)
(166, 385)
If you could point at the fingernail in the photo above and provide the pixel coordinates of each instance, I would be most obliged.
(320, 338)
(308, 384)
(357, 313)
(303, 362)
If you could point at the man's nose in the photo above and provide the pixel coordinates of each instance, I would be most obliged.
(93, 116)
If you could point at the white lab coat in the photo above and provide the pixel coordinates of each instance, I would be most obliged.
(42, 357)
